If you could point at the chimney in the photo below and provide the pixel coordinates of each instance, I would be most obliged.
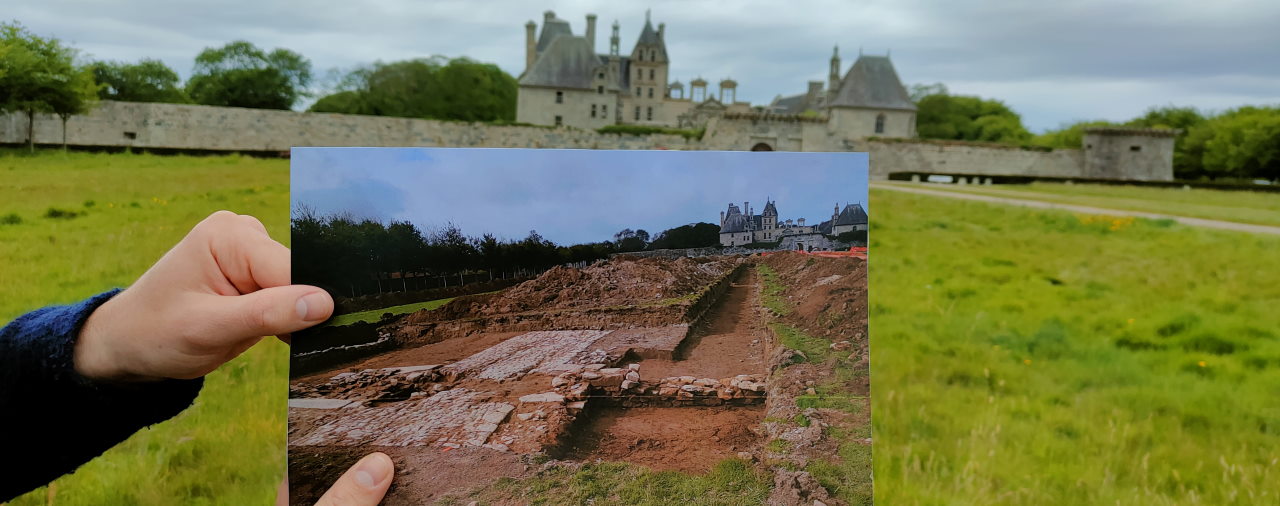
(530, 47)
(834, 75)
(722, 218)
(662, 30)
(591, 32)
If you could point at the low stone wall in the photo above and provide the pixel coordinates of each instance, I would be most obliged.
(206, 128)
(889, 157)
(176, 127)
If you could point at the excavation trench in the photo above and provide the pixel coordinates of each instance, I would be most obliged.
(673, 398)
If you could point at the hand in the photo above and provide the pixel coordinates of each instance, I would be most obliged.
(212, 296)
(364, 484)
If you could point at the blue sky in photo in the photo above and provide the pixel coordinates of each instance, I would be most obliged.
(570, 196)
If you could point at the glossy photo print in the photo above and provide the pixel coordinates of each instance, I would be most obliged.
(515, 326)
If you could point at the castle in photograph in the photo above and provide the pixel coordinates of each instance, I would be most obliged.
(740, 226)
(566, 82)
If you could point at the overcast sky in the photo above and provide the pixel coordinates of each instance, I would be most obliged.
(1053, 62)
(570, 196)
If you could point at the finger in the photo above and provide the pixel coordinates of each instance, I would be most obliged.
(364, 484)
(248, 257)
(282, 493)
(266, 312)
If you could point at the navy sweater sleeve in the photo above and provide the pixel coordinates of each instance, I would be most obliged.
(52, 420)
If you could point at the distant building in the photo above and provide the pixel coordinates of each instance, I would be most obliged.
(740, 226)
(869, 101)
(566, 82)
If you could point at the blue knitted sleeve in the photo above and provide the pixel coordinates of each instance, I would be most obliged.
(52, 420)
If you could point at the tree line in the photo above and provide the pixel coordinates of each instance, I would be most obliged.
(1241, 143)
(43, 75)
(340, 251)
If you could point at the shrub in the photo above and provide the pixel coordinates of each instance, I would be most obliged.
(10, 219)
(64, 214)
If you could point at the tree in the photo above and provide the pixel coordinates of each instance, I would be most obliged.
(241, 75)
(1070, 135)
(1244, 143)
(39, 74)
(432, 88)
(940, 115)
(148, 80)
(693, 235)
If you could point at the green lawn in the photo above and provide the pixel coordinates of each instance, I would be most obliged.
(1261, 208)
(1039, 357)
(374, 315)
(1020, 356)
(229, 448)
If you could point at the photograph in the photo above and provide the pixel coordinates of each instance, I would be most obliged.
(530, 314)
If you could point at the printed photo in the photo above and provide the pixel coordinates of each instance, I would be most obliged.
(516, 325)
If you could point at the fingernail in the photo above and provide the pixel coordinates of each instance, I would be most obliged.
(372, 470)
(311, 307)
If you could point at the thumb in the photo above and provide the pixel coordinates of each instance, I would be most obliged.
(364, 484)
(270, 311)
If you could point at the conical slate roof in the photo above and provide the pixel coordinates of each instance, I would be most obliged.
(650, 37)
(853, 214)
(568, 62)
(551, 29)
(872, 83)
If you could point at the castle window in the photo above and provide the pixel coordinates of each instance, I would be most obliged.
(879, 123)
(600, 90)
(637, 113)
(1135, 148)
(600, 75)
(559, 121)
(650, 114)
(559, 97)
(650, 92)
(650, 74)
(653, 55)
(593, 110)
(637, 91)
(604, 111)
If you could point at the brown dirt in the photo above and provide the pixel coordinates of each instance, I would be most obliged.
(423, 474)
(691, 440)
(733, 342)
(617, 282)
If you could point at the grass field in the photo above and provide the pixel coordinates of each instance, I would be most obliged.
(1037, 357)
(1019, 356)
(129, 209)
(1259, 208)
(376, 314)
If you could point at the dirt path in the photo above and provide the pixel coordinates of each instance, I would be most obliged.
(691, 440)
(1185, 220)
(733, 343)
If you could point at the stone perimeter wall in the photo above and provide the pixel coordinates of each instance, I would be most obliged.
(205, 128)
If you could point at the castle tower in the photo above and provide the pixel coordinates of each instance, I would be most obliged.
(769, 219)
(649, 76)
(729, 87)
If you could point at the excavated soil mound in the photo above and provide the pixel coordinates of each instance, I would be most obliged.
(829, 295)
(619, 281)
